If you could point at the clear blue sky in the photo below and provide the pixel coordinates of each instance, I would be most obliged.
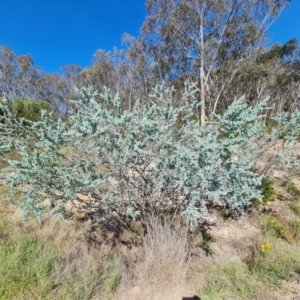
(60, 32)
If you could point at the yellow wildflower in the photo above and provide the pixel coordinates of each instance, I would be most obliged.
(265, 248)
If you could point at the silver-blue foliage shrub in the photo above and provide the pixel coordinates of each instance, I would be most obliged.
(130, 163)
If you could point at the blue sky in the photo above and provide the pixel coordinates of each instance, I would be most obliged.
(287, 26)
(60, 32)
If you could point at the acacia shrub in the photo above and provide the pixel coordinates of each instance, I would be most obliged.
(132, 163)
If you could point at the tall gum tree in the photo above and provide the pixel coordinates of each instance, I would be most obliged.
(202, 37)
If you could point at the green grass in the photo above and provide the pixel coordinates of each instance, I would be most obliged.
(272, 227)
(231, 280)
(282, 262)
(223, 213)
(115, 276)
(268, 192)
(32, 269)
(33, 266)
(81, 288)
(27, 268)
(263, 271)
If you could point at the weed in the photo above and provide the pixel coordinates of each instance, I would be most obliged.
(223, 213)
(295, 208)
(292, 189)
(80, 287)
(204, 240)
(273, 227)
(231, 280)
(265, 248)
(26, 267)
(268, 190)
(137, 147)
(281, 263)
(295, 225)
(115, 277)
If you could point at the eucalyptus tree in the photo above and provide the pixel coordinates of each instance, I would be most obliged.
(123, 71)
(138, 71)
(71, 73)
(203, 38)
(55, 90)
(21, 78)
(103, 72)
(16, 73)
(283, 84)
(274, 74)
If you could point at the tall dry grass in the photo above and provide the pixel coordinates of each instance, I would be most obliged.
(166, 254)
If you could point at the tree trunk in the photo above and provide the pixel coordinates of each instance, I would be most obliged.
(202, 75)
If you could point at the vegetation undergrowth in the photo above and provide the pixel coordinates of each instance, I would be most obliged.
(295, 225)
(295, 207)
(292, 189)
(52, 261)
(27, 268)
(32, 269)
(268, 191)
(203, 240)
(229, 280)
(274, 261)
(60, 268)
(271, 261)
(114, 269)
(276, 226)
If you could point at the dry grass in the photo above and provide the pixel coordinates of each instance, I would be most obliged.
(12, 155)
(166, 256)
